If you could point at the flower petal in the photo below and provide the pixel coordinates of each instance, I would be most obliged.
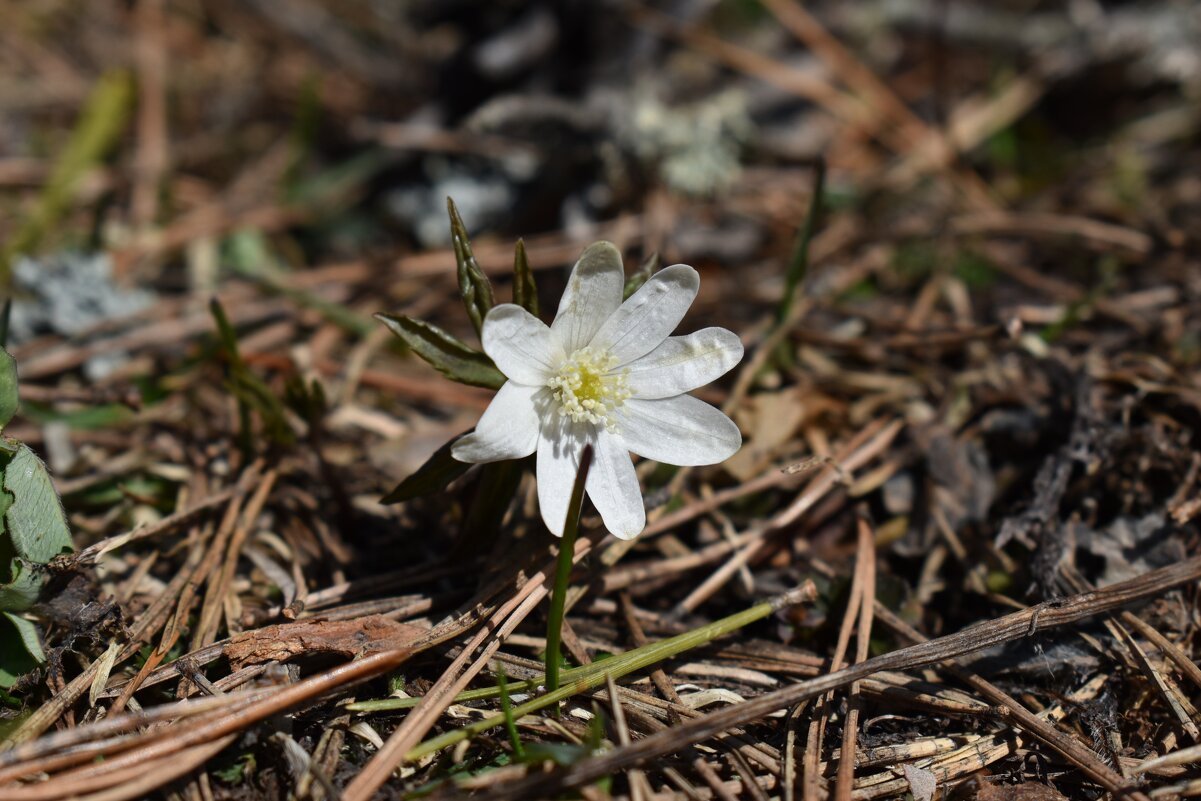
(613, 487)
(682, 364)
(681, 430)
(508, 428)
(649, 315)
(593, 293)
(559, 448)
(523, 348)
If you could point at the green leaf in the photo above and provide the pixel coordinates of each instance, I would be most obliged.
(561, 754)
(8, 387)
(98, 129)
(238, 770)
(250, 256)
(251, 392)
(20, 648)
(35, 521)
(438, 471)
(798, 265)
(5, 313)
(525, 291)
(307, 400)
(474, 286)
(25, 582)
(493, 493)
(446, 353)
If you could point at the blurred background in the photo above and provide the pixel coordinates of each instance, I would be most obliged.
(177, 136)
(1011, 170)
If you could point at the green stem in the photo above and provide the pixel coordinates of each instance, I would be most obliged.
(506, 709)
(558, 598)
(592, 676)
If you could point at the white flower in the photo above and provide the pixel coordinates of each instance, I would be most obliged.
(606, 373)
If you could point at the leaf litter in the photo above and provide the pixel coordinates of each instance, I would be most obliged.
(970, 401)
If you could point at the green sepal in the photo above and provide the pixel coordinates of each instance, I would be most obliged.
(445, 352)
(20, 648)
(474, 286)
(437, 472)
(525, 291)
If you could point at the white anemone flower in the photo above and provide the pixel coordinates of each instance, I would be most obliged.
(604, 373)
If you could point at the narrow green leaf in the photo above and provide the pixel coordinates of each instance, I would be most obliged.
(494, 492)
(506, 709)
(8, 388)
(446, 353)
(250, 391)
(525, 291)
(98, 129)
(474, 286)
(799, 264)
(226, 333)
(251, 257)
(307, 400)
(35, 521)
(561, 754)
(5, 313)
(437, 472)
(20, 648)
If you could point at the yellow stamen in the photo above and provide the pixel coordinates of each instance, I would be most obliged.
(588, 389)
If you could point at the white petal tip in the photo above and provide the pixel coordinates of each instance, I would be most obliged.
(626, 535)
(464, 450)
(682, 272)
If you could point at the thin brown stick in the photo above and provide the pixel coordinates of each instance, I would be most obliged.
(811, 779)
(866, 556)
(153, 745)
(172, 522)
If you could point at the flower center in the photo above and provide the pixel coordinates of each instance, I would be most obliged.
(587, 389)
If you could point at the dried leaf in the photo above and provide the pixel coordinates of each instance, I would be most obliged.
(348, 638)
(922, 782)
(103, 669)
